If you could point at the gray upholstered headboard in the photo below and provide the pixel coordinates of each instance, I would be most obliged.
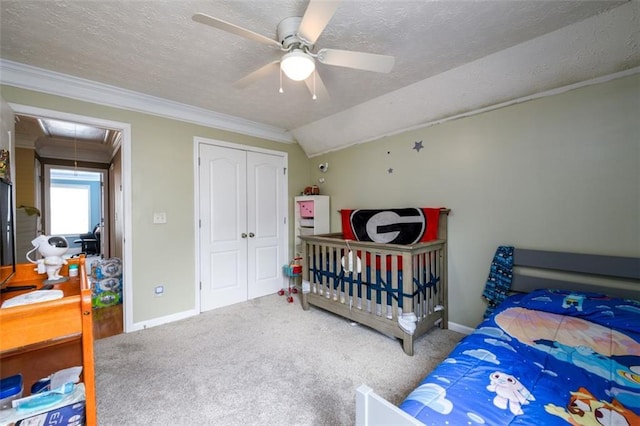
(613, 275)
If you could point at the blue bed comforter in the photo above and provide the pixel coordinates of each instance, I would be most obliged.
(548, 357)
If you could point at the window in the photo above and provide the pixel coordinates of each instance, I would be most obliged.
(74, 200)
(70, 209)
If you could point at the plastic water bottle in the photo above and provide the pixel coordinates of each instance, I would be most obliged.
(73, 270)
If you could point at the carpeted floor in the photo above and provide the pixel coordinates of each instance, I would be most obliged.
(261, 362)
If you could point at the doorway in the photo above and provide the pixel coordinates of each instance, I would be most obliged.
(115, 187)
(74, 207)
(242, 235)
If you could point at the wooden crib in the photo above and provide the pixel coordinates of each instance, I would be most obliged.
(399, 290)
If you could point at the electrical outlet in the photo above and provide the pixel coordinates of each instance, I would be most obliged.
(159, 290)
(160, 217)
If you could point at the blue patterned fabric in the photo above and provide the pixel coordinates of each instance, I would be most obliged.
(498, 282)
(550, 357)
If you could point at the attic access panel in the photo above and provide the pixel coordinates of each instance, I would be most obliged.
(66, 130)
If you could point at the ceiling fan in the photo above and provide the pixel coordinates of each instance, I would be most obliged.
(297, 37)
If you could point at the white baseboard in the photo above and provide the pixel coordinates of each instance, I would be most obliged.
(163, 320)
(460, 328)
(187, 314)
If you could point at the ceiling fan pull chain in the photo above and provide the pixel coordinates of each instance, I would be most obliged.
(314, 97)
(281, 91)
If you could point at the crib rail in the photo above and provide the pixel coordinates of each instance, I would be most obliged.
(399, 290)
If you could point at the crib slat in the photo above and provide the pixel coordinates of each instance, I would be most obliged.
(326, 263)
(408, 284)
(392, 310)
(382, 281)
(317, 248)
(418, 270)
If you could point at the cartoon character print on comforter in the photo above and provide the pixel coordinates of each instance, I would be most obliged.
(548, 357)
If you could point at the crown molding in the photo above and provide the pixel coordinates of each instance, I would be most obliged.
(41, 80)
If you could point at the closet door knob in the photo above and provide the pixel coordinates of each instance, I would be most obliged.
(251, 234)
(243, 235)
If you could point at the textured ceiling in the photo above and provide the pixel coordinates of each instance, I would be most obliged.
(155, 48)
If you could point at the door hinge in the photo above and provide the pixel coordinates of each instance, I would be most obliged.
(198, 161)
(200, 285)
(284, 171)
(285, 220)
(199, 223)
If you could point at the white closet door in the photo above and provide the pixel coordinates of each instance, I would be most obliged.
(265, 218)
(223, 228)
(242, 229)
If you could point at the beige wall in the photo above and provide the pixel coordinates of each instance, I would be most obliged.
(559, 173)
(25, 177)
(162, 180)
(7, 136)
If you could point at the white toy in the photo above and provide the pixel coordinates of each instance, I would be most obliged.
(509, 391)
(51, 249)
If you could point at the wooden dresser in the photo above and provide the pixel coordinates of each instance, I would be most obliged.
(42, 338)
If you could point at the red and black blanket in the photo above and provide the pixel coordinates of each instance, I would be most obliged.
(395, 226)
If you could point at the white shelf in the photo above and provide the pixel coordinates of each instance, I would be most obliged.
(318, 224)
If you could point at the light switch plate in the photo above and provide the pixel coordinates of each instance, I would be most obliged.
(160, 217)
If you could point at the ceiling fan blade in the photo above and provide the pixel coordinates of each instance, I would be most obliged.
(234, 29)
(316, 17)
(320, 90)
(256, 75)
(357, 60)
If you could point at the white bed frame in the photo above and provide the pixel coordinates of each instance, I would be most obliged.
(372, 409)
(616, 276)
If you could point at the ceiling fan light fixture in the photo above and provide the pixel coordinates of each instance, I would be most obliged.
(297, 65)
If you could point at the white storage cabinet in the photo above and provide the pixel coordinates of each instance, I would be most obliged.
(311, 217)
